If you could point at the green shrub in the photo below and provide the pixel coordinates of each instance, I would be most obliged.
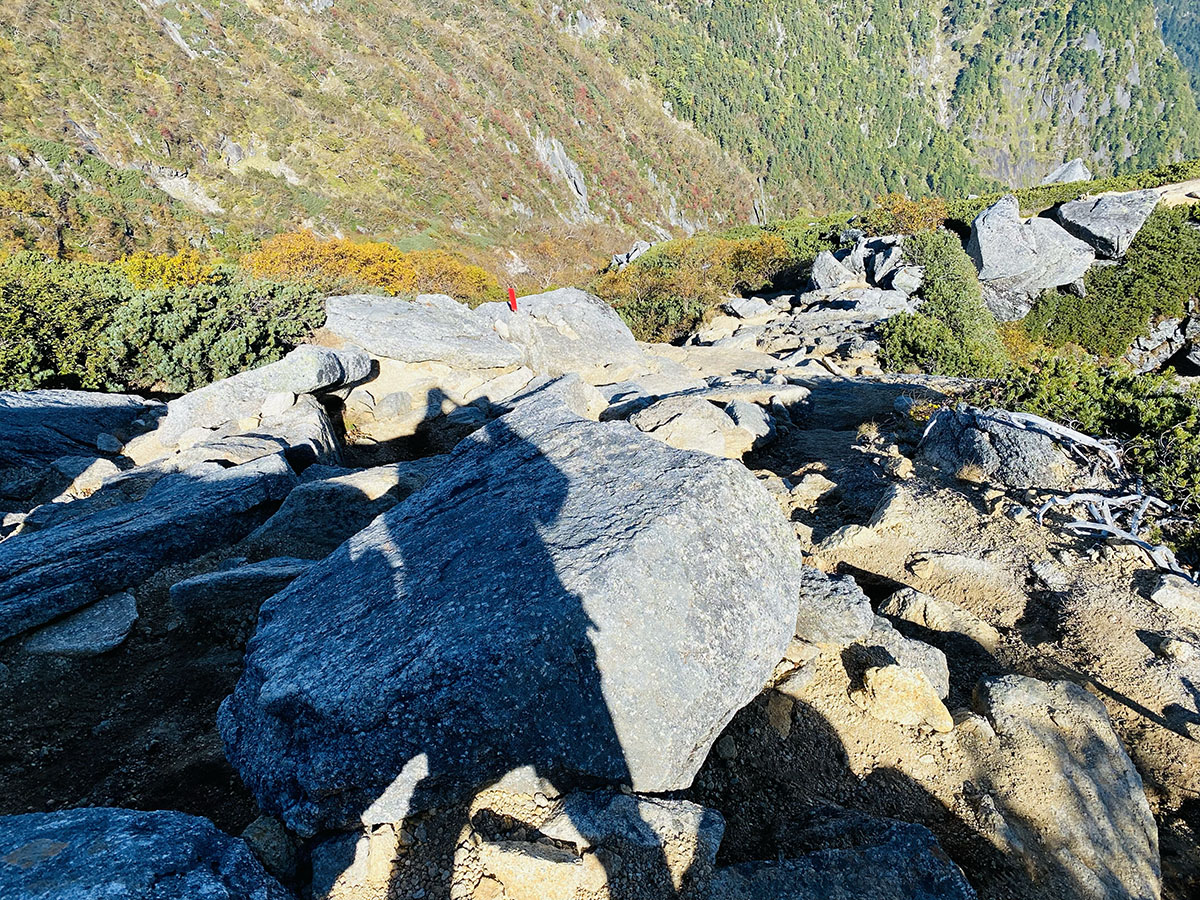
(180, 338)
(952, 333)
(665, 293)
(52, 319)
(1160, 274)
(73, 324)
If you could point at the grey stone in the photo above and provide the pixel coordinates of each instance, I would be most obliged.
(566, 331)
(1074, 170)
(621, 260)
(602, 818)
(748, 307)
(907, 279)
(306, 370)
(1179, 596)
(1020, 257)
(884, 646)
(394, 405)
(220, 599)
(107, 443)
(1072, 803)
(88, 854)
(563, 596)
(689, 423)
(305, 431)
(55, 571)
(921, 609)
(883, 262)
(432, 328)
(37, 427)
(319, 514)
(828, 273)
(832, 610)
(841, 855)
(1108, 223)
(278, 403)
(1013, 457)
(273, 846)
(752, 418)
(95, 629)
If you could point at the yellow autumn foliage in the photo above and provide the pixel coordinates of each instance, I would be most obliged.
(341, 264)
(186, 268)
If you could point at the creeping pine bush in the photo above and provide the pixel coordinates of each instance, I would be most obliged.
(897, 214)
(1160, 274)
(52, 320)
(1157, 422)
(74, 324)
(339, 265)
(179, 338)
(185, 269)
(952, 333)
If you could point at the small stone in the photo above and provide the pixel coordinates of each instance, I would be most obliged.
(1180, 651)
(278, 402)
(727, 748)
(93, 630)
(106, 443)
(905, 696)
(1178, 595)
(779, 713)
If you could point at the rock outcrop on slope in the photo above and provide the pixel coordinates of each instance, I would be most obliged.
(1110, 222)
(1019, 258)
(104, 852)
(62, 568)
(545, 610)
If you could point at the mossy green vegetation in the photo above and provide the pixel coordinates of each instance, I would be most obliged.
(952, 333)
(1159, 276)
(89, 325)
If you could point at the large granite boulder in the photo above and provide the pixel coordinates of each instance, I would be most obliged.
(1068, 800)
(306, 370)
(432, 328)
(89, 854)
(38, 427)
(969, 437)
(565, 331)
(828, 273)
(1018, 259)
(1108, 223)
(322, 512)
(564, 603)
(61, 568)
(1068, 172)
(849, 856)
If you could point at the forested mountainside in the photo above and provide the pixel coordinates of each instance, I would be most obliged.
(488, 124)
(1181, 26)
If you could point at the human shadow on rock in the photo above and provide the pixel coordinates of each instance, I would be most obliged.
(435, 654)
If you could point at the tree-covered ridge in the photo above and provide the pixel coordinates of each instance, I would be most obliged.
(829, 103)
(832, 102)
(1181, 28)
(1050, 79)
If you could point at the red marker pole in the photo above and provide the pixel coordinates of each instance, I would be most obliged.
(512, 299)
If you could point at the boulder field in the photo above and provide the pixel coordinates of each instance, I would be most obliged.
(482, 603)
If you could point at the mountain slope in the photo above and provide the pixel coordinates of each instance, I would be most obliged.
(1181, 28)
(572, 128)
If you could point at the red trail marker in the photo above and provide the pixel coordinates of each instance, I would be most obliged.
(512, 299)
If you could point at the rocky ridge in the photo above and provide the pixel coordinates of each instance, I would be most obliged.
(505, 604)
